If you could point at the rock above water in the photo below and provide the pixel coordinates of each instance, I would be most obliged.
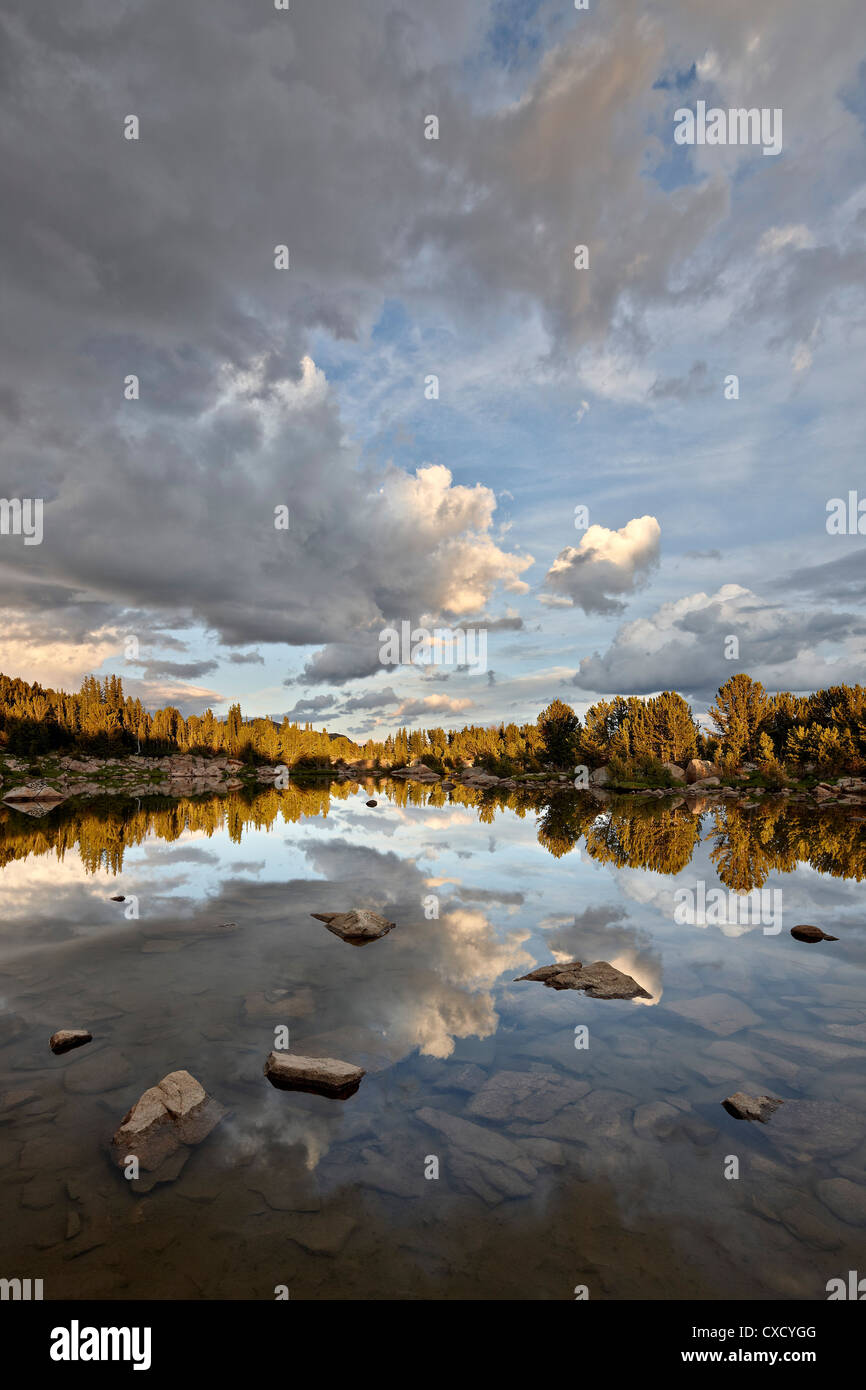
(810, 933)
(372, 803)
(175, 1113)
(599, 980)
(697, 769)
(675, 770)
(66, 1038)
(38, 792)
(325, 1076)
(745, 1107)
(357, 927)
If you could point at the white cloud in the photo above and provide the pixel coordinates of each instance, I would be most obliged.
(606, 563)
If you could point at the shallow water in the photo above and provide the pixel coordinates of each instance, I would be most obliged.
(601, 1166)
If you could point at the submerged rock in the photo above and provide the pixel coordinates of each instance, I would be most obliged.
(808, 1129)
(482, 1160)
(744, 1107)
(599, 980)
(845, 1199)
(66, 1038)
(357, 927)
(324, 1076)
(174, 1114)
(810, 933)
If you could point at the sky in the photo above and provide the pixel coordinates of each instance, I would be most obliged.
(582, 483)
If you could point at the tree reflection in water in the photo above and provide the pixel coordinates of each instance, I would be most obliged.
(747, 846)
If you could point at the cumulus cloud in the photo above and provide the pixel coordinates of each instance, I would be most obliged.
(431, 705)
(682, 645)
(605, 563)
(155, 257)
(309, 708)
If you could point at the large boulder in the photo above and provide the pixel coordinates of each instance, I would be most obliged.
(38, 791)
(697, 769)
(600, 777)
(175, 1113)
(599, 980)
(418, 772)
(676, 771)
(324, 1076)
(357, 927)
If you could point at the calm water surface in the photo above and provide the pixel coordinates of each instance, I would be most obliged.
(559, 1166)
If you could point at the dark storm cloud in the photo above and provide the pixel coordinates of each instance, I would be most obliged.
(183, 670)
(844, 578)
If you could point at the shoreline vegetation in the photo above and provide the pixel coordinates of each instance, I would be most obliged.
(55, 745)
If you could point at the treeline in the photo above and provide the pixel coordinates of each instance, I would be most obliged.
(783, 733)
(102, 721)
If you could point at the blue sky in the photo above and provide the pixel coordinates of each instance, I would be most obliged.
(602, 387)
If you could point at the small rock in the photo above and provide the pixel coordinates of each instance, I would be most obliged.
(67, 1038)
(118, 898)
(372, 803)
(325, 1076)
(745, 1107)
(809, 933)
(599, 980)
(357, 927)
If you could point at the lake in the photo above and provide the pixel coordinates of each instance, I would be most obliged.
(508, 1141)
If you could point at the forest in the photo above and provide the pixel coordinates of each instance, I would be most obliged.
(782, 734)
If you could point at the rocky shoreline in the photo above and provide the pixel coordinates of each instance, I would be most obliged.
(34, 786)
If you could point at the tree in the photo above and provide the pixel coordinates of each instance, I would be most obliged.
(558, 726)
(740, 709)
